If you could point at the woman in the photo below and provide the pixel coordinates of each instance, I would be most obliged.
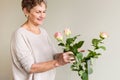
(31, 48)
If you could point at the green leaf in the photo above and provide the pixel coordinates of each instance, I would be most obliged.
(79, 56)
(81, 72)
(79, 44)
(97, 55)
(75, 66)
(85, 76)
(91, 53)
(69, 41)
(66, 49)
(74, 49)
(61, 44)
(102, 47)
(95, 42)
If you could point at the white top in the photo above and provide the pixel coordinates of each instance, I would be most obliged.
(28, 48)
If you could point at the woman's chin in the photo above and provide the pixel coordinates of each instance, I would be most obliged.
(40, 23)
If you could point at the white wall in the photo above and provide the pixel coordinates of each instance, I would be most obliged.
(87, 17)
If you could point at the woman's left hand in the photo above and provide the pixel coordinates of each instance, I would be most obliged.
(64, 58)
(68, 57)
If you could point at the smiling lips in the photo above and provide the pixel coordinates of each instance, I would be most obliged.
(40, 19)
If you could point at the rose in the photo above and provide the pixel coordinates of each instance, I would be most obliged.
(103, 35)
(82, 63)
(67, 32)
(58, 36)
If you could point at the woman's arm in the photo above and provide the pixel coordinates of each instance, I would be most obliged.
(43, 66)
(60, 60)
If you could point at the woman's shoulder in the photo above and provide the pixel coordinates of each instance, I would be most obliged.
(17, 34)
(19, 31)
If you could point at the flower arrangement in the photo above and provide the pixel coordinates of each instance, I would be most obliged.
(82, 63)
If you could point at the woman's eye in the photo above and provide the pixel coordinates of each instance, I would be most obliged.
(44, 12)
(41, 12)
(38, 12)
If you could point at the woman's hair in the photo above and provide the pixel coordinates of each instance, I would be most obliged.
(29, 4)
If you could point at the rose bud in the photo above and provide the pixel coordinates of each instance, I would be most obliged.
(58, 36)
(67, 32)
(103, 35)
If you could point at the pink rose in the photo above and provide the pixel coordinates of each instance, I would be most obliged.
(103, 35)
(58, 36)
(67, 32)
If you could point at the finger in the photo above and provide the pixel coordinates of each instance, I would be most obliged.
(71, 58)
(72, 61)
(68, 54)
(68, 59)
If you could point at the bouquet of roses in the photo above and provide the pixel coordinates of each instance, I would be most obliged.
(82, 63)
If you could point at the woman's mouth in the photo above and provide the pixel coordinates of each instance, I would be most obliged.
(40, 19)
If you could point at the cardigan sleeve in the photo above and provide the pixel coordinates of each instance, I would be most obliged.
(22, 51)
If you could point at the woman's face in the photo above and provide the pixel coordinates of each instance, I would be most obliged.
(37, 14)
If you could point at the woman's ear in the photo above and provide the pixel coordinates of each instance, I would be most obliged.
(25, 12)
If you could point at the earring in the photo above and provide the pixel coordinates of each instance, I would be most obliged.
(26, 16)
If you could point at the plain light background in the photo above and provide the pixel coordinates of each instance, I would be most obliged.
(85, 17)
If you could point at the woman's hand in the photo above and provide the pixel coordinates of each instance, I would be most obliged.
(64, 58)
(68, 57)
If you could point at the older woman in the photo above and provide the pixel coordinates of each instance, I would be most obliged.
(32, 51)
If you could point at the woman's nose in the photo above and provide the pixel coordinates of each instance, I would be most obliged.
(42, 15)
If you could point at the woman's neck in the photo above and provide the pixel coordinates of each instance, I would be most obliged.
(31, 27)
